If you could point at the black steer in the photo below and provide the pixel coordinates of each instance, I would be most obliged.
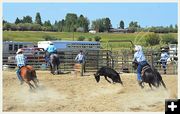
(108, 72)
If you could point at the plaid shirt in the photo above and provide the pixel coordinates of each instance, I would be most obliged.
(20, 60)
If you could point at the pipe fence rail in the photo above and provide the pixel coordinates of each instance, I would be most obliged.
(120, 60)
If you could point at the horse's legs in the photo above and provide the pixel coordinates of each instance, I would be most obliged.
(56, 67)
(30, 85)
(163, 84)
(141, 84)
(52, 68)
(155, 84)
(150, 86)
(35, 80)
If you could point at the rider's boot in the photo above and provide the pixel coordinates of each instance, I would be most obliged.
(164, 71)
(140, 83)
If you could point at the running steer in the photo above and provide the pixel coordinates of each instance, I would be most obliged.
(108, 72)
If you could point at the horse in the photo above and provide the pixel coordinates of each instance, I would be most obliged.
(54, 63)
(150, 75)
(29, 74)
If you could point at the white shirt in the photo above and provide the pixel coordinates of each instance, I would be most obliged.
(80, 57)
(164, 56)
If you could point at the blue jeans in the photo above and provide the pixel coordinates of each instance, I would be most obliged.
(140, 66)
(18, 74)
(80, 61)
(163, 62)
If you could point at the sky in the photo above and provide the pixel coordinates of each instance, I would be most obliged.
(146, 14)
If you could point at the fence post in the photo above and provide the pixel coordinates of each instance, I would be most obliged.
(175, 67)
(107, 58)
(82, 69)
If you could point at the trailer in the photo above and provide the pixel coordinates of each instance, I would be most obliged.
(70, 45)
(10, 48)
(13, 46)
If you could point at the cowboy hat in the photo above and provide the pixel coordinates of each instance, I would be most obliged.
(163, 50)
(138, 48)
(51, 43)
(18, 51)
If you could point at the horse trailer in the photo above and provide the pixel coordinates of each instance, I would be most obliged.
(10, 48)
(70, 45)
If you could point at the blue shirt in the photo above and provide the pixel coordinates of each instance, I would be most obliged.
(20, 60)
(51, 49)
(139, 56)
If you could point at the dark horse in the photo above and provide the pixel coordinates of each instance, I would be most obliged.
(54, 63)
(150, 75)
(29, 74)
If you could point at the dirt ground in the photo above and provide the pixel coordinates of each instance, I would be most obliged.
(67, 93)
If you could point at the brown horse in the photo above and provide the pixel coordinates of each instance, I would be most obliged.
(29, 74)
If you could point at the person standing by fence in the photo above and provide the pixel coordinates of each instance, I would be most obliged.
(21, 61)
(163, 60)
(80, 59)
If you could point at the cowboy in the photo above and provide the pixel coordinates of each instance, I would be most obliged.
(50, 49)
(163, 60)
(21, 61)
(80, 58)
(141, 60)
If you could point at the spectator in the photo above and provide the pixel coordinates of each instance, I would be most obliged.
(163, 60)
(80, 58)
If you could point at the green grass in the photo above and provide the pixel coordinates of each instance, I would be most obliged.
(32, 36)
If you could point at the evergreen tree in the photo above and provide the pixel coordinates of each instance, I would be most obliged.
(27, 19)
(121, 24)
(18, 21)
(38, 18)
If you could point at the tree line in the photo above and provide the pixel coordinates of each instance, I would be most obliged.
(74, 23)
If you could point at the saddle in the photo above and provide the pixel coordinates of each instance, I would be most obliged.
(144, 69)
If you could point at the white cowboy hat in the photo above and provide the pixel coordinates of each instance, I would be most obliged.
(163, 50)
(18, 51)
(51, 43)
(138, 48)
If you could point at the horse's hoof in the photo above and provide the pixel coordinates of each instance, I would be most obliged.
(31, 90)
(21, 83)
(142, 87)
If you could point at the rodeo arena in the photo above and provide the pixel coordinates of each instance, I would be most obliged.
(105, 82)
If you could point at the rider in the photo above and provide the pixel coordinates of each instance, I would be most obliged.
(21, 61)
(163, 60)
(140, 58)
(50, 49)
